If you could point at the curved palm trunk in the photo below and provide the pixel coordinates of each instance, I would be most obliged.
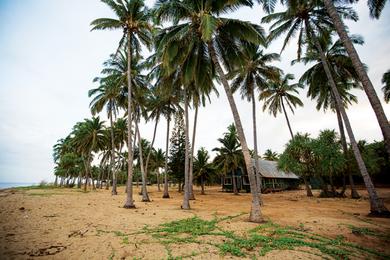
(288, 121)
(255, 215)
(166, 193)
(257, 163)
(377, 205)
(358, 65)
(112, 166)
(129, 197)
(191, 174)
(151, 148)
(186, 198)
(354, 193)
(145, 196)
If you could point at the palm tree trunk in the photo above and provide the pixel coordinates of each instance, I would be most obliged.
(358, 65)
(354, 193)
(145, 196)
(307, 186)
(166, 193)
(255, 215)
(192, 195)
(86, 173)
(257, 163)
(56, 181)
(158, 180)
(288, 121)
(376, 204)
(151, 147)
(113, 191)
(129, 197)
(234, 180)
(186, 198)
(202, 185)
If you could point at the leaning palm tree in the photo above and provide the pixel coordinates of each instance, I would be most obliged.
(386, 87)
(133, 19)
(279, 92)
(108, 95)
(251, 77)
(376, 6)
(346, 77)
(332, 8)
(308, 19)
(206, 41)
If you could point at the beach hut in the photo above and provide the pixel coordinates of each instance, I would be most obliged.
(272, 178)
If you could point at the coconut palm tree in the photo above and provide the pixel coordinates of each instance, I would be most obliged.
(279, 92)
(133, 19)
(158, 162)
(204, 38)
(375, 6)
(309, 19)
(202, 168)
(386, 87)
(88, 137)
(251, 77)
(270, 155)
(108, 95)
(345, 75)
(229, 156)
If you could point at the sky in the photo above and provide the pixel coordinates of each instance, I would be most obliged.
(49, 56)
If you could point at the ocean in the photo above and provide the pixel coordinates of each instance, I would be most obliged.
(4, 185)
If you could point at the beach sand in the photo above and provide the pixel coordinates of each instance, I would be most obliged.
(69, 224)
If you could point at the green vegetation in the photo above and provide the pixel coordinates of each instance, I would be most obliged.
(255, 242)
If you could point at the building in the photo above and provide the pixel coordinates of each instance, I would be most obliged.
(272, 179)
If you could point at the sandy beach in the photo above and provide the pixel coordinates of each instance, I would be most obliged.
(70, 224)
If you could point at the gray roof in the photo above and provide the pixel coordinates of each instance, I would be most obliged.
(269, 169)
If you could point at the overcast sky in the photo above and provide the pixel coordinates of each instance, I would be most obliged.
(48, 58)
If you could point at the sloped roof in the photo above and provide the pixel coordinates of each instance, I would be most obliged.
(269, 169)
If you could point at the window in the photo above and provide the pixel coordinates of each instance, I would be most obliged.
(228, 181)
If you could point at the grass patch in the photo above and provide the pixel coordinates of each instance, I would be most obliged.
(254, 242)
(368, 232)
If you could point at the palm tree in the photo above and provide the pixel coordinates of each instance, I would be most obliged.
(230, 156)
(133, 19)
(202, 168)
(205, 40)
(158, 162)
(305, 17)
(279, 92)
(386, 87)
(108, 95)
(347, 79)
(376, 7)
(270, 155)
(88, 137)
(254, 74)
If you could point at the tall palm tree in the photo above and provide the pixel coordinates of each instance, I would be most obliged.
(133, 19)
(386, 87)
(229, 156)
(376, 7)
(279, 92)
(309, 19)
(204, 38)
(319, 88)
(88, 137)
(251, 77)
(108, 95)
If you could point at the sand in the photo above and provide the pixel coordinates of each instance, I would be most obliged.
(70, 224)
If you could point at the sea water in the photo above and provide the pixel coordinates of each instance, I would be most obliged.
(4, 185)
